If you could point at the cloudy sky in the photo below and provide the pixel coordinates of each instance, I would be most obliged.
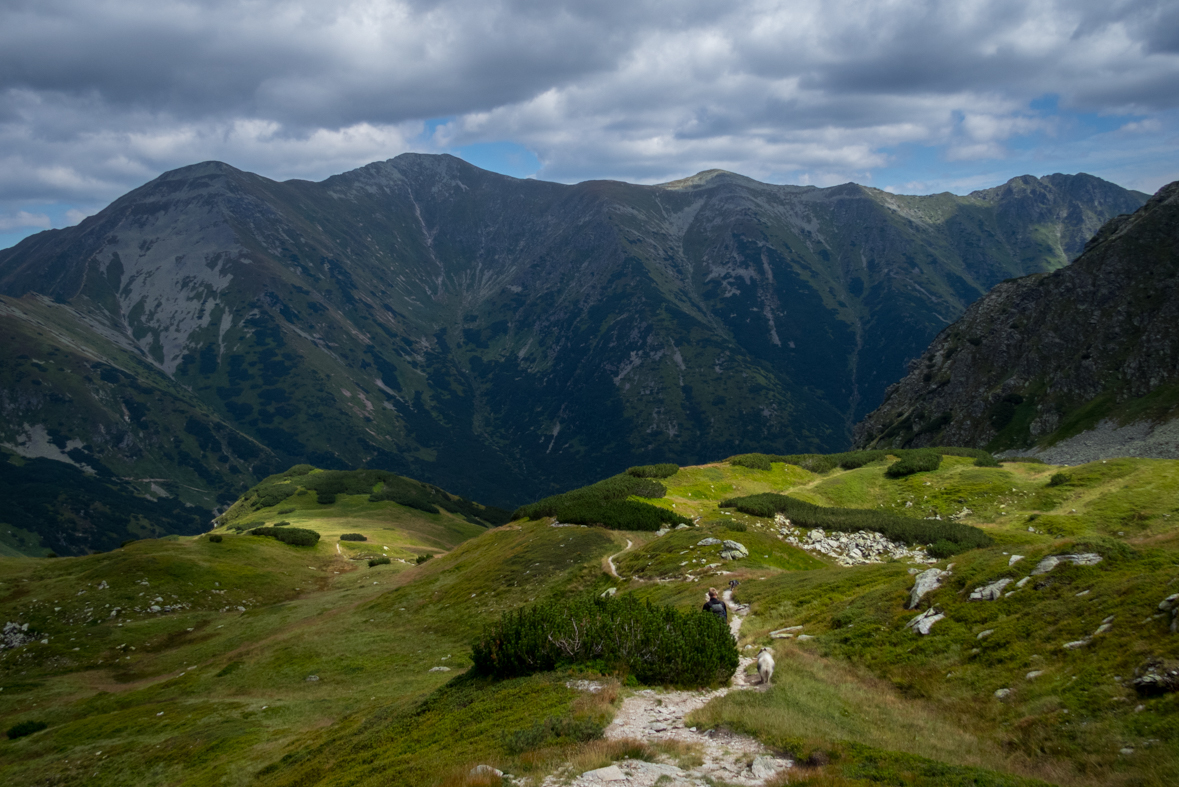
(916, 96)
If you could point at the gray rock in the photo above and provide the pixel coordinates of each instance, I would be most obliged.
(1170, 603)
(736, 546)
(985, 634)
(610, 773)
(925, 582)
(1034, 674)
(609, 592)
(924, 622)
(990, 592)
(1014, 559)
(485, 770)
(708, 542)
(1156, 676)
(1023, 582)
(681, 527)
(1052, 561)
(785, 633)
(1077, 644)
(312, 678)
(439, 669)
(1002, 694)
(805, 637)
(765, 767)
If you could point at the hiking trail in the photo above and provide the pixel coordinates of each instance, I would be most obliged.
(652, 715)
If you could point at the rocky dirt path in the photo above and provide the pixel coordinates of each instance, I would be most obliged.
(658, 716)
(610, 569)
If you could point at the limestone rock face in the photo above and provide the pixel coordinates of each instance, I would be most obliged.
(1034, 350)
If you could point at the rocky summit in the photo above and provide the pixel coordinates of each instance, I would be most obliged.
(502, 338)
(1074, 366)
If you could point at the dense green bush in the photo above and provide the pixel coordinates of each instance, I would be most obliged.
(25, 728)
(379, 561)
(283, 523)
(908, 530)
(914, 462)
(850, 460)
(378, 485)
(653, 471)
(656, 644)
(295, 536)
(986, 461)
(423, 558)
(271, 494)
(1059, 479)
(353, 537)
(216, 538)
(606, 503)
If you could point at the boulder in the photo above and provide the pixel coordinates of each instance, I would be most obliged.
(924, 622)
(1002, 694)
(990, 592)
(925, 582)
(1011, 561)
(763, 768)
(485, 770)
(1052, 561)
(1156, 676)
(610, 773)
(708, 542)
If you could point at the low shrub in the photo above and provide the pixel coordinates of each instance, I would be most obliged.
(986, 461)
(1035, 460)
(379, 561)
(656, 644)
(956, 536)
(216, 538)
(295, 536)
(423, 558)
(283, 511)
(606, 503)
(25, 728)
(1059, 479)
(914, 462)
(283, 523)
(352, 537)
(552, 731)
(666, 470)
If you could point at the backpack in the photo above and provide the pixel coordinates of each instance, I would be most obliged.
(717, 607)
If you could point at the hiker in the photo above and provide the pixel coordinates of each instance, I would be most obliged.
(714, 605)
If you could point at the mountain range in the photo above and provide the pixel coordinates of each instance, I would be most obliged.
(502, 338)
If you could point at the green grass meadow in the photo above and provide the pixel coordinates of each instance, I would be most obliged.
(273, 664)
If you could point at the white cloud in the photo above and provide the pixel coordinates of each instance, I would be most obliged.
(23, 220)
(99, 96)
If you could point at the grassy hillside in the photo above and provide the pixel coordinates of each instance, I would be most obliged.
(208, 693)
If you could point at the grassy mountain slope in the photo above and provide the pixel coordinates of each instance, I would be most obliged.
(871, 697)
(1047, 357)
(505, 339)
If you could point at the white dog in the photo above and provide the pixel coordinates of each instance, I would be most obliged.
(765, 665)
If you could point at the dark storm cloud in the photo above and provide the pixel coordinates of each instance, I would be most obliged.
(98, 96)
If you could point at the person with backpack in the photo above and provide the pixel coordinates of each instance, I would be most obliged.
(717, 607)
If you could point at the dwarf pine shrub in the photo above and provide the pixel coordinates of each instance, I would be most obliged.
(295, 536)
(423, 558)
(653, 471)
(1059, 479)
(353, 537)
(657, 644)
(908, 530)
(25, 728)
(216, 538)
(379, 561)
(914, 462)
(606, 503)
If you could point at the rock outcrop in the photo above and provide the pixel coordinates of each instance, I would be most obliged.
(1015, 370)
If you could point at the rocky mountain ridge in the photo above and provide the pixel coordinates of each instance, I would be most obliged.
(501, 338)
(1057, 358)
